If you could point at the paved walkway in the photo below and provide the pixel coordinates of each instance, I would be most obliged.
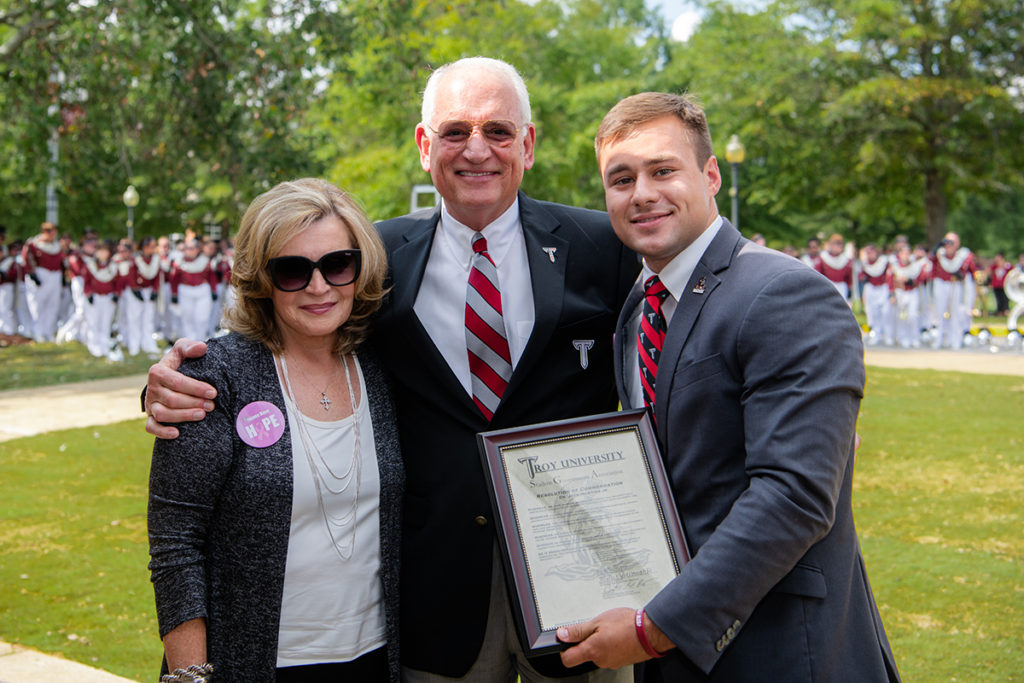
(34, 411)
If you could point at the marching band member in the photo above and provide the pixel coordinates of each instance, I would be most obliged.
(222, 273)
(953, 291)
(74, 329)
(145, 277)
(10, 275)
(877, 307)
(905, 279)
(166, 319)
(812, 256)
(192, 284)
(102, 286)
(837, 266)
(998, 271)
(44, 276)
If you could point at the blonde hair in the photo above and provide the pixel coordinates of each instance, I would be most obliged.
(622, 119)
(277, 216)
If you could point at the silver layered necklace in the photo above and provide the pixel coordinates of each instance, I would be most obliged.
(330, 485)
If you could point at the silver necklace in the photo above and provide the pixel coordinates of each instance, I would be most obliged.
(324, 401)
(320, 480)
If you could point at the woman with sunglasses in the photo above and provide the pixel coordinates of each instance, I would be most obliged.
(274, 522)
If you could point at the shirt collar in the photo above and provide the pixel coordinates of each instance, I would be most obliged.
(676, 273)
(499, 234)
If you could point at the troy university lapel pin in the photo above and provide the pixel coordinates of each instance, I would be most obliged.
(583, 345)
(550, 251)
(699, 287)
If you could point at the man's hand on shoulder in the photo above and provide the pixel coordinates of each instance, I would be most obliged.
(173, 397)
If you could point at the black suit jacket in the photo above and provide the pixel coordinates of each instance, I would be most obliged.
(449, 528)
(759, 386)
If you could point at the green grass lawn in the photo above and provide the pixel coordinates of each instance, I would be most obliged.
(35, 365)
(939, 503)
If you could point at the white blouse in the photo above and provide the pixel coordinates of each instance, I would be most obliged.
(332, 609)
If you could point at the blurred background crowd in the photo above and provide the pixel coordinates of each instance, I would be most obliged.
(115, 297)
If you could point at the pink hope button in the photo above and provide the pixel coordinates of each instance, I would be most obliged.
(260, 424)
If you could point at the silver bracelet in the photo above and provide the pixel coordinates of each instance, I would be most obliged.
(196, 673)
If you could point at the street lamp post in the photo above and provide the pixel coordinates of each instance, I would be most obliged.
(735, 154)
(131, 200)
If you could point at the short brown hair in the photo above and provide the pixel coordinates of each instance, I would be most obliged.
(272, 219)
(638, 109)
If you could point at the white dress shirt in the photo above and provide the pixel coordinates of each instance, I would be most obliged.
(441, 300)
(675, 276)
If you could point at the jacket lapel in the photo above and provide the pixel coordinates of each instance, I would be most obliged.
(621, 342)
(408, 264)
(547, 277)
(699, 290)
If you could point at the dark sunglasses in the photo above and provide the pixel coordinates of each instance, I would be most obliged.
(292, 273)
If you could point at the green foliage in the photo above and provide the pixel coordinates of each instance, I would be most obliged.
(867, 117)
(578, 59)
(199, 105)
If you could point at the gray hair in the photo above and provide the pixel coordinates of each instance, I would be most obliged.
(495, 67)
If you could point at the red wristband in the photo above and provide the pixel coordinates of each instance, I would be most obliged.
(641, 635)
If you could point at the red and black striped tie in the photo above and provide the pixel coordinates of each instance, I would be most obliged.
(650, 337)
(490, 362)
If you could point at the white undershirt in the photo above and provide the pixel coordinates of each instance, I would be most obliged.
(332, 610)
(441, 300)
(675, 276)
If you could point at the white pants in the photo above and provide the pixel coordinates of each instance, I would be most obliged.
(44, 303)
(99, 317)
(194, 305)
(140, 321)
(216, 310)
(843, 289)
(908, 317)
(879, 311)
(947, 297)
(8, 318)
(166, 314)
(74, 329)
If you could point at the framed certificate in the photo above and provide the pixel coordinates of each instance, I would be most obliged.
(587, 519)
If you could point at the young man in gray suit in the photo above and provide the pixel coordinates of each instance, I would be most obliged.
(753, 366)
(563, 276)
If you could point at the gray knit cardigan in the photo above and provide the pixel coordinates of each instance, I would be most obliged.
(220, 514)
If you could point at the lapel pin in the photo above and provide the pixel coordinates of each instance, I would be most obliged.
(582, 345)
(550, 251)
(699, 287)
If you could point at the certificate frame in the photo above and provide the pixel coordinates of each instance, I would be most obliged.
(544, 515)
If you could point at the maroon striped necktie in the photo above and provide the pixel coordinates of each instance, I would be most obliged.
(490, 363)
(650, 338)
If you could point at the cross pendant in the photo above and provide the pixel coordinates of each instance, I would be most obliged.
(326, 402)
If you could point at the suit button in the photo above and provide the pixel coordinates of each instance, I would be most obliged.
(480, 520)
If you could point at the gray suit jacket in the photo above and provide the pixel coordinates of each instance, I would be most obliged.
(220, 514)
(759, 386)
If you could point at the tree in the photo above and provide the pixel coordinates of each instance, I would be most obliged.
(941, 103)
(577, 57)
(199, 104)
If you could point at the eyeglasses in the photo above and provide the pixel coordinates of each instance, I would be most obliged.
(456, 134)
(292, 273)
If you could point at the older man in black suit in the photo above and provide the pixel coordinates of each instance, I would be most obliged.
(556, 279)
